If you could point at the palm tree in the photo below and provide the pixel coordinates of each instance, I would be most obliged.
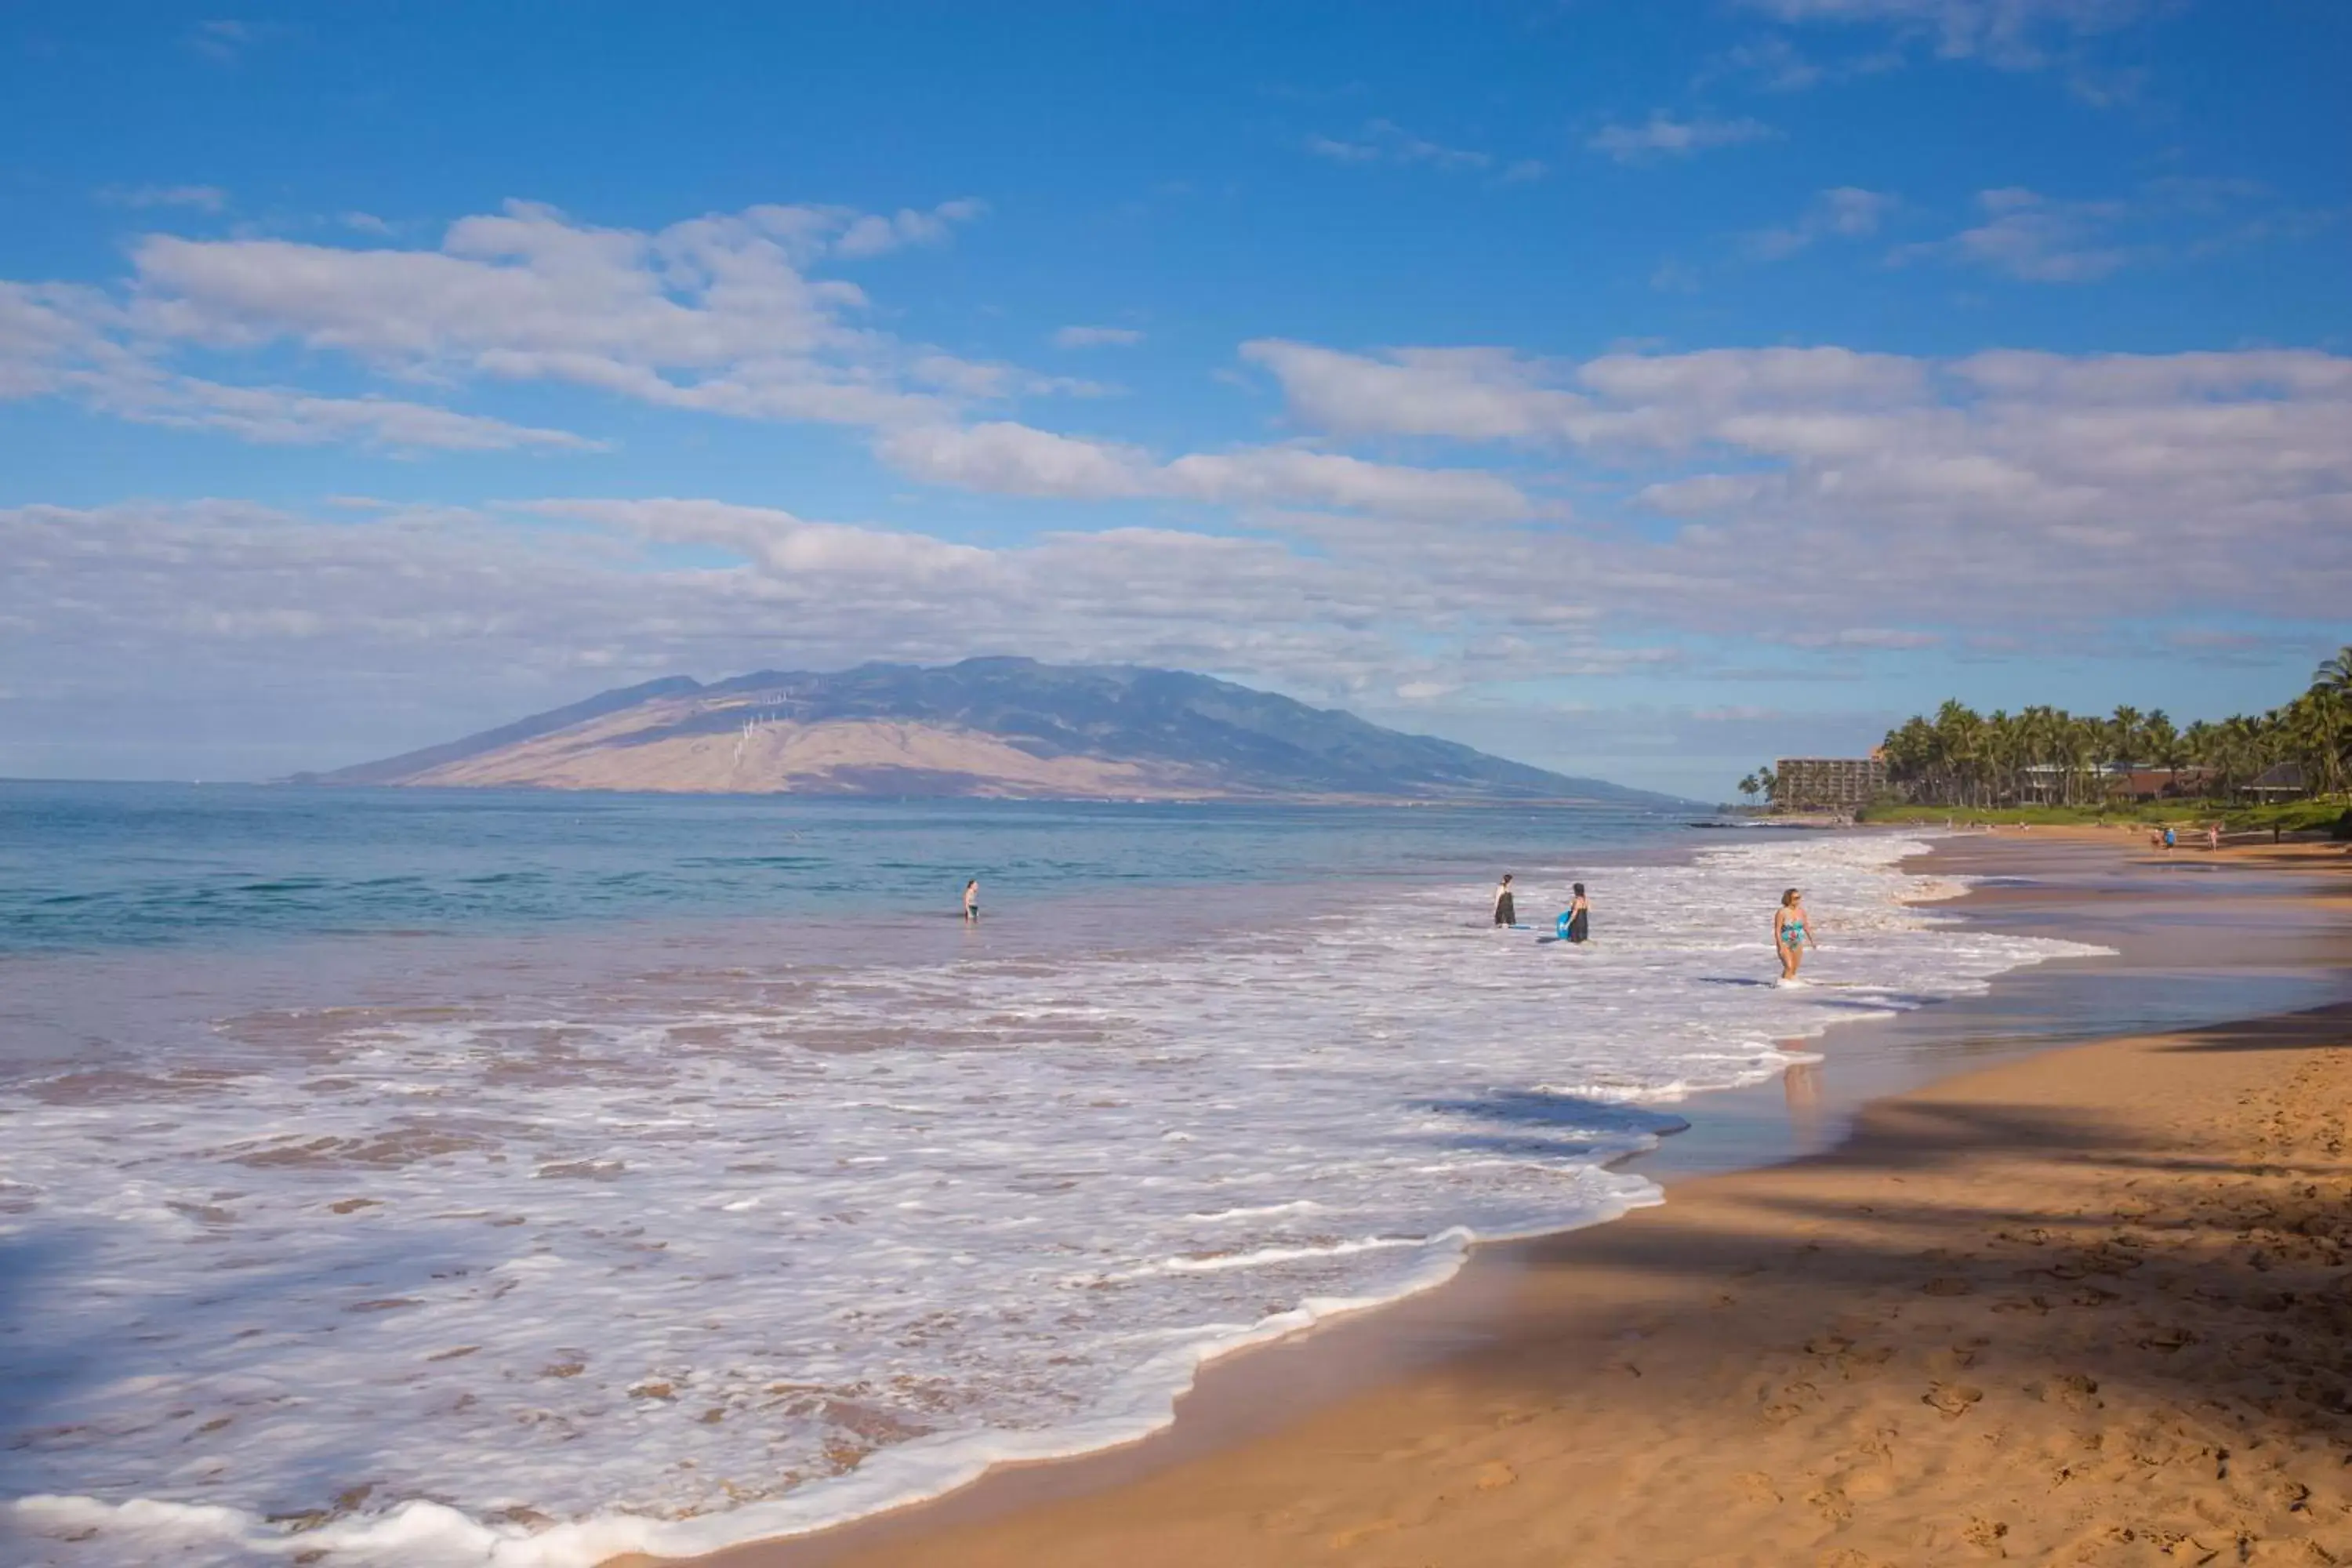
(2335, 674)
(2040, 728)
(2124, 736)
(2164, 747)
(1751, 786)
(2080, 752)
(2313, 726)
(2001, 754)
(2046, 756)
(1960, 733)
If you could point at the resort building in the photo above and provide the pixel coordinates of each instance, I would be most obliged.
(1828, 784)
(2283, 782)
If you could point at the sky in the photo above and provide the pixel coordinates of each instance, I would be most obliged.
(1644, 390)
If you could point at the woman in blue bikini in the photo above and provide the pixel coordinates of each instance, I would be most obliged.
(1790, 937)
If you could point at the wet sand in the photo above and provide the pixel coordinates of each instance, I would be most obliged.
(2086, 1304)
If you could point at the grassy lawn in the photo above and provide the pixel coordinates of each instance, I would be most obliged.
(2288, 817)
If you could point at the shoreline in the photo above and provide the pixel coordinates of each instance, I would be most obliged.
(1442, 967)
(1796, 1366)
(1255, 1397)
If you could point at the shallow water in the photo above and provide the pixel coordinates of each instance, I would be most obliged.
(532, 1245)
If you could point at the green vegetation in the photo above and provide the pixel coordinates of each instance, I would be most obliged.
(2289, 769)
(2297, 755)
(2287, 816)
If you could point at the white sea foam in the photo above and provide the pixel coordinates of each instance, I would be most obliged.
(625, 1272)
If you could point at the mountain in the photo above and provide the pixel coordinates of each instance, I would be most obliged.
(999, 727)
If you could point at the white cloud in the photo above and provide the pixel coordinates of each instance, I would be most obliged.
(1674, 277)
(722, 314)
(223, 41)
(1862, 637)
(43, 328)
(1844, 212)
(2015, 486)
(1662, 136)
(278, 417)
(1096, 337)
(1340, 151)
(719, 314)
(1008, 458)
(1476, 394)
(1493, 394)
(781, 541)
(2010, 34)
(55, 340)
(709, 292)
(2047, 239)
(1292, 476)
(202, 198)
(405, 610)
(1385, 141)
(2035, 239)
(872, 234)
(1833, 504)
(1774, 63)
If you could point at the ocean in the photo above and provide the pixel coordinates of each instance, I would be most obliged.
(430, 1178)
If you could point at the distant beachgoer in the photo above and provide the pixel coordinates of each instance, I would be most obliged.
(2213, 836)
(1507, 909)
(972, 900)
(1577, 924)
(1790, 937)
(2169, 839)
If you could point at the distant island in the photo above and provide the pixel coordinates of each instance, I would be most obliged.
(1001, 728)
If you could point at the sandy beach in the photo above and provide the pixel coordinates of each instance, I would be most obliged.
(2087, 1305)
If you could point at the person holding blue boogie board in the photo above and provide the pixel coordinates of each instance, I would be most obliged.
(1576, 923)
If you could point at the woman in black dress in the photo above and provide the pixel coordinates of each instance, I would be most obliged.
(1580, 917)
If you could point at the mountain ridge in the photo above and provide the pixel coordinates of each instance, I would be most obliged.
(997, 726)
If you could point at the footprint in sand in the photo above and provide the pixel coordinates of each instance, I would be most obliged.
(1952, 1398)
(1340, 1539)
(1863, 1362)
(2071, 1389)
(1790, 1404)
(1756, 1487)
(1984, 1532)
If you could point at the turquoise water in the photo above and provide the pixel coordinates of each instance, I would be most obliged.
(559, 1175)
(106, 865)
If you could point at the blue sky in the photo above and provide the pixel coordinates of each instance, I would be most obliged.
(1644, 390)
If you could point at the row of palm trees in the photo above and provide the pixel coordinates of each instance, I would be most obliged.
(2048, 756)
